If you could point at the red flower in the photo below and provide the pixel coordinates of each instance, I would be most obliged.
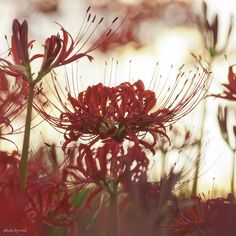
(57, 50)
(230, 88)
(46, 200)
(210, 217)
(12, 101)
(19, 52)
(127, 111)
(106, 165)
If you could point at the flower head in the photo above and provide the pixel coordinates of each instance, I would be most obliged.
(127, 111)
(57, 50)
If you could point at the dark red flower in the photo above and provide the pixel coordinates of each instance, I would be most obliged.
(127, 111)
(19, 52)
(106, 165)
(57, 50)
(229, 92)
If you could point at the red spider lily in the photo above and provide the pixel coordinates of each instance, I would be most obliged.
(106, 165)
(45, 202)
(12, 100)
(12, 217)
(211, 217)
(57, 50)
(127, 111)
(230, 89)
(19, 52)
(192, 217)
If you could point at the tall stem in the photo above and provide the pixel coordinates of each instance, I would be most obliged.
(201, 139)
(25, 147)
(200, 142)
(233, 173)
(114, 229)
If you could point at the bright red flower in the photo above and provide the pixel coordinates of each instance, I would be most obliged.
(230, 88)
(127, 111)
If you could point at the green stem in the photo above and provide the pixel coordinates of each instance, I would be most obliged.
(25, 148)
(233, 172)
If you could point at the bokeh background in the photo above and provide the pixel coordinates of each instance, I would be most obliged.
(163, 31)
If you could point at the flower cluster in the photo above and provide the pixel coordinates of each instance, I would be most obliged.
(100, 174)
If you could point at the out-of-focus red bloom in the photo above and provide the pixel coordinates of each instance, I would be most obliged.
(57, 50)
(192, 217)
(106, 165)
(171, 13)
(230, 88)
(12, 100)
(127, 111)
(211, 217)
(45, 202)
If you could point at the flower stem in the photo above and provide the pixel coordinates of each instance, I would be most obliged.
(114, 229)
(200, 144)
(25, 147)
(233, 173)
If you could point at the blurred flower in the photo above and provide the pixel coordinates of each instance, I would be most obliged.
(228, 131)
(126, 111)
(46, 6)
(148, 204)
(12, 100)
(210, 33)
(230, 89)
(140, 14)
(210, 217)
(46, 201)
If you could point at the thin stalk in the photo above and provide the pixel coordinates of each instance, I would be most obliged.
(200, 143)
(25, 147)
(233, 173)
(113, 208)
